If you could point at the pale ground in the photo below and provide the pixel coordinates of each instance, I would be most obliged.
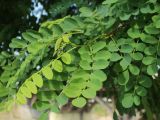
(25, 113)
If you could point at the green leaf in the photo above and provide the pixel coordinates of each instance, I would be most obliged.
(57, 30)
(72, 91)
(28, 37)
(18, 43)
(152, 69)
(21, 99)
(102, 55)
(124, 16)
(141, 91)
(80, 74)
(37, 79)
(89, 93)
(140, 47)
(31, 86)
(34, 34)
(79, 102)
(150, 29)
(148, 60)
(43, 116)
(85, 65)
(47, 72)
(136, 100)
(85, 12)
(134, 33)
(46, 95)
(97, 46)
(99, 75)
(125, 62)
(109, 2)
(62, 99)
(95, 84)
(145, 81)
(66, 58)
(157, 24)
(3, 91)
(149, 50)
(137, 56)
(146, 9)
(112, 46)
(115, 57)
(26, 92)
(134, 69)
(126, 48)
(45, 32)
(41, 105)
(55, 108)
(87, 57)
(148, 39)
(156, 20)
(123, 78)
(83, 50)
(100, 64)
(54, 85)
(58, 44)
(57, 65)
(127, 100)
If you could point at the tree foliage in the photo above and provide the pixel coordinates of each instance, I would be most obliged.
(113, 46)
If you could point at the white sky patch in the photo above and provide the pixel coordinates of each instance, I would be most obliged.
(16, 53)
(38, 10)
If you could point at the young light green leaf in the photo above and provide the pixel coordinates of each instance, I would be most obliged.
(66, 58)
(58, 44)
(26, 92)
(37, 79)
(47, 72)
(65, 38)
(57, 65)
(79, 102)
(31, 86)
(21, 99)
